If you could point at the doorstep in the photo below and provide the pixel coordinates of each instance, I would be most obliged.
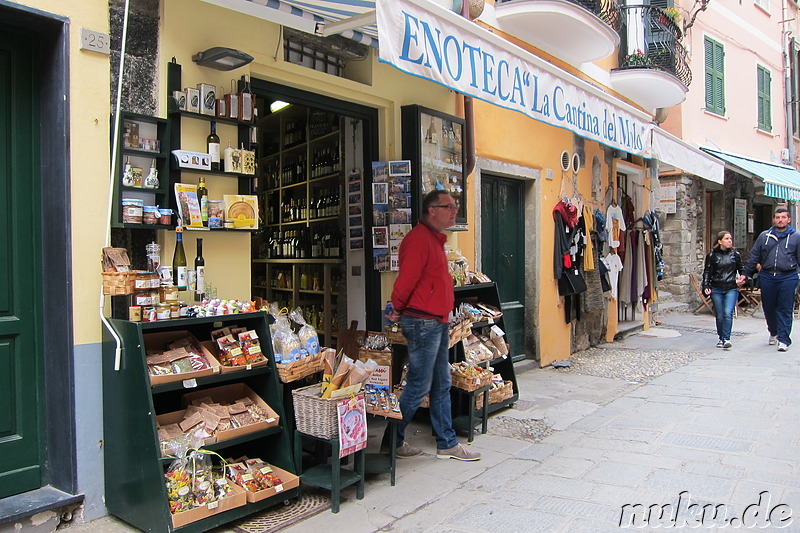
(628, 328)
(15, 508)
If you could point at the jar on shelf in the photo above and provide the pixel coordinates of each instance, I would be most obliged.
(150, 214)
(166, 216)
(168, 293)
(163, 311)
(132, 210)
(174, 309)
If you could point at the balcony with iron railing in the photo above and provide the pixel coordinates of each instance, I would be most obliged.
(653, 68)
(575, 31)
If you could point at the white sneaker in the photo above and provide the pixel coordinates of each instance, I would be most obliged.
(773, 340)
(727, 344)
(782, 347)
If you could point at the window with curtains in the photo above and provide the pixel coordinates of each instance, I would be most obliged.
(715, 76)
(763, 89)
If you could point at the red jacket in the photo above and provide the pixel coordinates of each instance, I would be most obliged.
(424, 283)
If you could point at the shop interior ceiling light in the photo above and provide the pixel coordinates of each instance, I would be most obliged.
(222, 58)
(277, 105)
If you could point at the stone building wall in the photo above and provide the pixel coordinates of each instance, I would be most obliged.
(682, 235)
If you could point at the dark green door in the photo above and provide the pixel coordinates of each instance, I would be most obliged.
(503, 251)
(20, 270)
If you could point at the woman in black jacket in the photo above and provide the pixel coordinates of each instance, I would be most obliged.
(723, 265)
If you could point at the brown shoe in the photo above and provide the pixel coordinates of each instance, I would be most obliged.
(458, 452)
(406, 450)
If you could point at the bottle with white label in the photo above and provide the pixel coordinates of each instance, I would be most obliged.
(200, 268)
(179, 261)
(213, 147)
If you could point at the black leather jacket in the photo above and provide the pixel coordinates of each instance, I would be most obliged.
(722, 269)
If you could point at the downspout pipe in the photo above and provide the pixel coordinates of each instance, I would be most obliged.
(469, 115)
(788, 50)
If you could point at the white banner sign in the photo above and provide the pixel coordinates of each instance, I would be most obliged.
(438, 45)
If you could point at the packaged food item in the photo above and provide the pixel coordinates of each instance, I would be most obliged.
(251, 346)
(309, 340)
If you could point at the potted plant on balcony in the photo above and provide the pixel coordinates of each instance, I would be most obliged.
(671, 14)
(636, 59)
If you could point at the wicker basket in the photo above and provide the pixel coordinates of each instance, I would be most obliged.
(382, 357)
(503, 392)
(119, 283)
(395, 337)
(460, 332)
(314, 415)
(471, 383)
(299, 369)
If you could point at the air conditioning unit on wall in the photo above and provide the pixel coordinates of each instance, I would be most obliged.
(785, 156)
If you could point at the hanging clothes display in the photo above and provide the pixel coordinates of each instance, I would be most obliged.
(613, 263)
(651, 219)
(616, 224)
(587, 227)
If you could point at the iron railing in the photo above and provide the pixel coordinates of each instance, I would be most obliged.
(651, 39)
(606, 10)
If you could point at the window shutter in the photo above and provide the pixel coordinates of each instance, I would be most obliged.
(715, 76)
(764, 87)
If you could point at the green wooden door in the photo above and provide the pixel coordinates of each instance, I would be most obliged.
(20, 268)
(503, 251)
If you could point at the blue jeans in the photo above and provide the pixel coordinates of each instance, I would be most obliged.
(724, 305)
(777, 300)
(428, 374)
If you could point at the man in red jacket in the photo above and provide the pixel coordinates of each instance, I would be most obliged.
(422, 300)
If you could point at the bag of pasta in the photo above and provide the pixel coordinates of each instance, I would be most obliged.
(309, 340)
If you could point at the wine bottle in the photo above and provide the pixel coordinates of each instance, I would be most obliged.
(213, 147)
(202, 197)
(200, 268)
(179, 261)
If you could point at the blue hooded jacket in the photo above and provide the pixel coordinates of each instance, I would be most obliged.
(777, 252)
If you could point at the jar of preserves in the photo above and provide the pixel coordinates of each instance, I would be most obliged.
(149, 314)
(168, 293)
(150, 214)
(163, 311)
(132, 210)
(143, 298)
(174, 310)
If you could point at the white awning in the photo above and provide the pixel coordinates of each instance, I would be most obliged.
(676, 152)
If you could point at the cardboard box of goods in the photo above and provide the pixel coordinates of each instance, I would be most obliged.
(211, 347)
(238, 499)
(229, 394)
(159, 341)
(290, 481)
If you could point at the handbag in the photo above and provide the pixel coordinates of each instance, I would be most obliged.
(571, 282)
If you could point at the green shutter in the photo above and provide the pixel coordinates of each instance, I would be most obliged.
(763, 88)
(715, 76)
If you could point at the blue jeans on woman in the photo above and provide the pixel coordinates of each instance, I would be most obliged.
(428, 374)
(724, 305)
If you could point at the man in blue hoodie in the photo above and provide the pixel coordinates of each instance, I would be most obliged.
(776, 250)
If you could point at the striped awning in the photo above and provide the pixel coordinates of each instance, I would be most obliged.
(311, 16)
(780, 181)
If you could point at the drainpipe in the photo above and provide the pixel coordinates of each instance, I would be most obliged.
(469, 116)
(114, 170)
(787, 89)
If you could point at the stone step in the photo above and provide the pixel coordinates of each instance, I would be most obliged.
(668, 308)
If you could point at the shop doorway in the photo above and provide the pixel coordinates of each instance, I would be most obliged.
(503, 252)
(21, 380)
(315, 157)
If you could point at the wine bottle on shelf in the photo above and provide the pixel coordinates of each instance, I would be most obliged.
(202, 197)
(213, 147)
(200, 268)
(179, 261)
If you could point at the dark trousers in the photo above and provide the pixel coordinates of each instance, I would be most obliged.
(777, 300)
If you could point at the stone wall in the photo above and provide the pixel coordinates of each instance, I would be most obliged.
(140, 85)
(682, 235)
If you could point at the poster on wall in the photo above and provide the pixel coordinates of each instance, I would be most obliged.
(739, 222)
(667, 197)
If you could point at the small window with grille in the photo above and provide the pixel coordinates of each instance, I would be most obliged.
(323, 54)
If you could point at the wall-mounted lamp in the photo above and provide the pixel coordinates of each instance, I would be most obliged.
(221, 58)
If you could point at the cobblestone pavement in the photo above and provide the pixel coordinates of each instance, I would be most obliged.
(655, 419)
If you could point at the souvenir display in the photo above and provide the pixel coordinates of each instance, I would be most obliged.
(183, 355)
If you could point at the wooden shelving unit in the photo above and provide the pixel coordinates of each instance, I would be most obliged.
(134, 466)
